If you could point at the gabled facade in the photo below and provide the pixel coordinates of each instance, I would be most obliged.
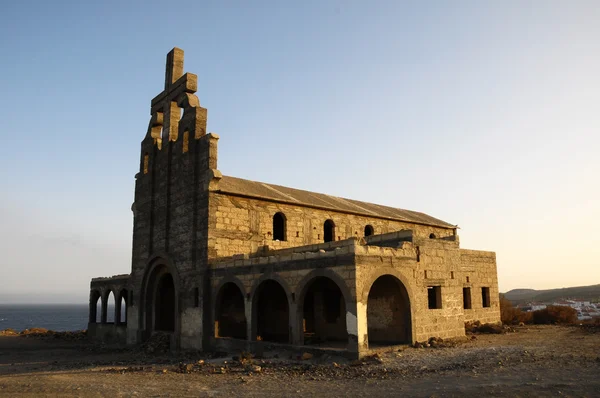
(224, 262)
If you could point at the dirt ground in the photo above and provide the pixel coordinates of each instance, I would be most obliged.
(533, 361)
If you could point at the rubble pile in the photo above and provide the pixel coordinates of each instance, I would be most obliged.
(435, 342)
(157, 343)
(487, 328)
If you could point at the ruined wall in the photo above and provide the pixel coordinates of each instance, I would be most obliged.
(425, 263)
(480, 269)
(243, 225)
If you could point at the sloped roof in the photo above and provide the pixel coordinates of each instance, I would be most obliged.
(261, 190)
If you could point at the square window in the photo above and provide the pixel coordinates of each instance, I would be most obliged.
(434, 297)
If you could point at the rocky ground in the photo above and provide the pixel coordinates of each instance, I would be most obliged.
(531, 361)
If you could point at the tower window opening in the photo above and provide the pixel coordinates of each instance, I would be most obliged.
(146, 163)
(279, 226)
(328, 231)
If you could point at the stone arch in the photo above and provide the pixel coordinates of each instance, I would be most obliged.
(93, 313)
(271, 310)
(105, 293)
(368, 230)
(111, 303)
(121, 307)
(323, 301)
(159, 309)
(276, 278)
(327, 273)
(230, 311)
(389, 311)
(230, 279)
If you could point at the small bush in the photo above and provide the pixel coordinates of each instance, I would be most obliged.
(509, 315)
(555, 314)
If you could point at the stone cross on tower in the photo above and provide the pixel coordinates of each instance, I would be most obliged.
(166, 122)
(174, 68)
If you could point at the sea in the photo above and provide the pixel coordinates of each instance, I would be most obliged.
(58, 317)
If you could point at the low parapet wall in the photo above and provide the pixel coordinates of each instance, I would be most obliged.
(108, 332)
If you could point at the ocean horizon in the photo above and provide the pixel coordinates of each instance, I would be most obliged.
(57, 317)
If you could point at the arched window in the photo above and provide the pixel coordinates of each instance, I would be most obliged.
(328, 231)
(432, 236)
(368, 230)
(279, 226)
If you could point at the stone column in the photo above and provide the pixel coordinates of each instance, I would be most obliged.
(294, 336)
(248, 312)
(104, 314)
(356, 325)
(118, 310)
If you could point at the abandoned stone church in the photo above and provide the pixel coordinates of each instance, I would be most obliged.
(221, 262)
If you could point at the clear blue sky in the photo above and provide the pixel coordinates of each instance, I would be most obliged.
(483, 114)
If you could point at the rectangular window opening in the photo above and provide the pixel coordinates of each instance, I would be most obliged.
(186, 139)
(146, 163)
(434, 297)
(485, 297)
(467, 298)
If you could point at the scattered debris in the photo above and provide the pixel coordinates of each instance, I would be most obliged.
(158, 343)
(487, 328)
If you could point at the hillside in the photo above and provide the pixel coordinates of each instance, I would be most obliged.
(525, 295)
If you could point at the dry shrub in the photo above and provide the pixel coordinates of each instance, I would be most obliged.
(477, 327)
(36, 331)
(509, 315)
(555, 314)
(526, 317)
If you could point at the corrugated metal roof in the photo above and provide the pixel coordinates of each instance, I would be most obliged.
(239, 186)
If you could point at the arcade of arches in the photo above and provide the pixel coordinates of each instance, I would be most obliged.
(108, 308)
(321, 309)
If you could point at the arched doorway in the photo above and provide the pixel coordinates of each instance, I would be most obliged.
(160, 306)
(388, 312)
(230, 313)
(271, 313)
(164, 304)
(323, 313)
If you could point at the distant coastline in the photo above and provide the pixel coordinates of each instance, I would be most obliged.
(56, 317)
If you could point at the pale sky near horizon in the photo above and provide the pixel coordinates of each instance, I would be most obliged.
(483, 114)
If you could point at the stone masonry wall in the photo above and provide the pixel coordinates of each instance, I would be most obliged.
(433, 262)
(245, 226)
(480, 268)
